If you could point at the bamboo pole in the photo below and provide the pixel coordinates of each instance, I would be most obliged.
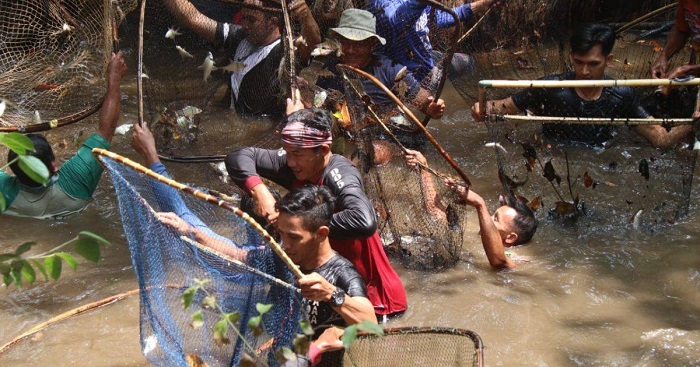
(414, 119)
(194, 158)
(598, 120)
(289, 43)
(586, 83)
(645, 17)
(474, 26)
(76, 311)
(208, 198)
(56, 123)
(139, 68)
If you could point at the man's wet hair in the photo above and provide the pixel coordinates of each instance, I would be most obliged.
(524, 222)
(587, 36)
(316, 118)
(42, 150)
(314, 204)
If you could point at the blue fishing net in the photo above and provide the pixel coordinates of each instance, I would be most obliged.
(167, 264)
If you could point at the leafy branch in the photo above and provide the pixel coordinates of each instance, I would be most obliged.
(17, 268)
(32, 166)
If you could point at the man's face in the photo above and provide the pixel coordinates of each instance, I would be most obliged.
(300, 244)
(257, 26)
(356, 53)
(504, 219)
(307, 164)
(591, 65)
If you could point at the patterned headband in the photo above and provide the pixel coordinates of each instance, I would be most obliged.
(297, 134)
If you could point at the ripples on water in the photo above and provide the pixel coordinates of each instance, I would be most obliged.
(613, 297)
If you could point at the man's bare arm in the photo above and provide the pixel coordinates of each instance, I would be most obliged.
(354, 310)
(659, 137)
(504, 106)
(193, 19)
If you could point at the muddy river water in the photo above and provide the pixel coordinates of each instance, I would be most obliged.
(619, 297)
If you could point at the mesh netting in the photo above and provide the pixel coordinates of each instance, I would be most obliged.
(412, 347)
(53, 58)
(603, 171)
(419, 218)
(167, 264)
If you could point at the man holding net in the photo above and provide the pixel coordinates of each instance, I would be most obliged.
(591, 46)
(512, 224)
(359, 41)
(255, 47)
(69, 188)
(307, 158)
(404, 24)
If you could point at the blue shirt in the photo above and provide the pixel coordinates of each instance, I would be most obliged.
(404, 24)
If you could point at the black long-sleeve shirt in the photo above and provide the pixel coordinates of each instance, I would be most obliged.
(354, 217)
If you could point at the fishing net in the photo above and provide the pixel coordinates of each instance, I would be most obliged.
(167, 265)
(419, 218)
(53, 60)
(592, 172)
(412, 346)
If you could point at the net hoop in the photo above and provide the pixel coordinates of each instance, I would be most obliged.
(53, 124)
(587, 83)
(598, 120)
(276, 248)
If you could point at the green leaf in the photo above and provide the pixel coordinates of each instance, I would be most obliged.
(188, 296)
(263, 308)
(34, 168)
(69, 259)
(306, 327)
(86, 234)
(201, 283)
(24, 248)
(197, 320)
(289, 354)
(17, 142)
(53, 266)
(254, 321)
(209, 302)
(5, 257)
(88, 248)
(28, 273)
(301, 344)
(6, 279)
(247, 361)
(220, 330)
(42, 268)
(3, 204)
(232, 317)
(370, 327)
(349, 336)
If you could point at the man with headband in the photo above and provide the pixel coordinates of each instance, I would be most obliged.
(306, 158)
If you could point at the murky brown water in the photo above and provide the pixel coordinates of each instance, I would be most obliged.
(614, 298)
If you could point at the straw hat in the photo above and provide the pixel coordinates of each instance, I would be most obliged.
(357, 25)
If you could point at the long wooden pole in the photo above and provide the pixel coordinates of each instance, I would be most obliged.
(474, 26)
(289, 48)
(586, 83)
(645, 17)
(208, 198)
(414, 119)
(139, 67)
(598, 120)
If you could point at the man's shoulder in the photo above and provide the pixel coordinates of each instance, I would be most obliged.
(338, 268)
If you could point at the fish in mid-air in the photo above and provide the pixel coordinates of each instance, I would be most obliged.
(401, 74)
(3, 105)
(208, 66)
(36, 119)
(172, 33)
(183, 53)
(328, 47)
(189, 112)
(233, 66)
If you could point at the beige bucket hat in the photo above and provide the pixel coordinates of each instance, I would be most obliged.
(357, 25)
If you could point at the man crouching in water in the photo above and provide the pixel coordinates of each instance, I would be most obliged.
(512, 224)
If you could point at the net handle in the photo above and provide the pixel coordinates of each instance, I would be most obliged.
(276, 248)
(56, 123)
(415, 120)
(645, 17)
(139, 67)
(450, 53)
(289, 48)
(461, 39)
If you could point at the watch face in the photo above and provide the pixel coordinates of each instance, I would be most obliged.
(338, 298)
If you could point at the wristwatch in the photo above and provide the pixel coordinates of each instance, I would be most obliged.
(337, 298)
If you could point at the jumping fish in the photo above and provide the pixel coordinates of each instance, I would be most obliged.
(496, 145)
(36, 119)
(208, 66)
(233, 66)
(183, 53)
(328, 47)
(172, 33)
(66, 28)
(189, 112)
(123, 129)
(3, 105)
(636, 220)
(401, 74)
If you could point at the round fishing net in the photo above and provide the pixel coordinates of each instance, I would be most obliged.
(223, 281)
(53, 59)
